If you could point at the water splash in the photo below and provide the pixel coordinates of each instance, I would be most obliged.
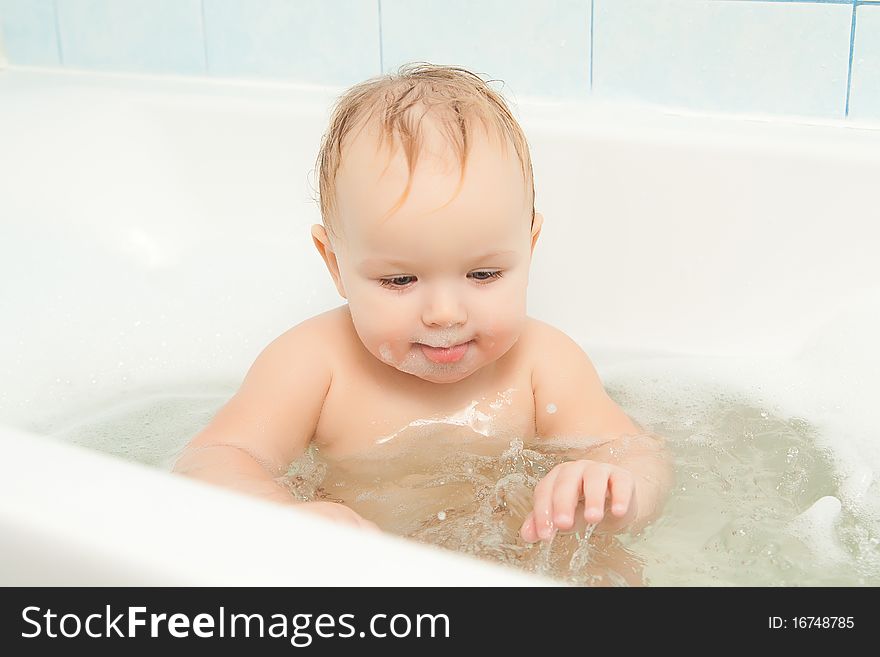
(745, 473)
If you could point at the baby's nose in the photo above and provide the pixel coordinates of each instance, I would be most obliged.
(444, 309)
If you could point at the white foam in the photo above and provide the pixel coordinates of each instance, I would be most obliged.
(385, 353)
(469, 416)
(816, 527)
(831, 384)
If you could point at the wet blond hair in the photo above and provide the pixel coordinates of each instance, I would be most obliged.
(452, 96)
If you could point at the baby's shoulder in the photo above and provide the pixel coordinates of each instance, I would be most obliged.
(537, 336)
(318, 336)
(330, 324)
(549, 349)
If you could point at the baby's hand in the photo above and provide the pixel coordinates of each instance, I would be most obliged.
(337, 513)
(557, 494)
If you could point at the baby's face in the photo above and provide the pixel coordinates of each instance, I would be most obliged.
(438, 288)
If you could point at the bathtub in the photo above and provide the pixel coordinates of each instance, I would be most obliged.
(154, 236)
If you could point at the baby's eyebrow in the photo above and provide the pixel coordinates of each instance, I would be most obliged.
(378, 262)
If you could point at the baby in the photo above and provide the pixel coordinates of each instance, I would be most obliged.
(427, 199)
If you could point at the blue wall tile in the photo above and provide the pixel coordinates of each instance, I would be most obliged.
(29, 32)
(143, 36)
(765, 57)
(332, 42)
(537, 48)
(864, 101)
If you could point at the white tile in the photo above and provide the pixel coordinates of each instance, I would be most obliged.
(864, 98)
(537, 48)
(143, 36)
(332, 42)
(722, 55)
(29, 33)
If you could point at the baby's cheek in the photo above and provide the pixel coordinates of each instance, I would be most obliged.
(498, 338)
(392, 350)
(504, 321)
(379, 333)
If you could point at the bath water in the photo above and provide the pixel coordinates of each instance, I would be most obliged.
(758, 498)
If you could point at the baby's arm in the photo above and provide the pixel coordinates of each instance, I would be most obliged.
(613, 456)
(268, 423)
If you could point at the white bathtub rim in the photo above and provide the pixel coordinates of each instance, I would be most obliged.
(105, 520)
(549, 112)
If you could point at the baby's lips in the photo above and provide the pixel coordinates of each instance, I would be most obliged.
(445, 355)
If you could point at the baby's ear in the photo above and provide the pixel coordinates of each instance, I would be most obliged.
(536, 229)
(325, 248)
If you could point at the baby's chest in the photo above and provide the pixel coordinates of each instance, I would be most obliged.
(360, 413)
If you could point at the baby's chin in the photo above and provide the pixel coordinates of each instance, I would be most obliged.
(450, 377)
(416, 364)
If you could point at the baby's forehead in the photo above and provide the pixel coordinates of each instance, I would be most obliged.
(374, 174)
(430, 141)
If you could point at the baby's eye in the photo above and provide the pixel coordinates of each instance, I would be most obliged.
(396, 282)
(402, 282)
(485, 275)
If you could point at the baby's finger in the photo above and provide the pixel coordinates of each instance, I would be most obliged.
(621, 485)
(566, 494)
(543, 505)
(527, 531)
(595, 487)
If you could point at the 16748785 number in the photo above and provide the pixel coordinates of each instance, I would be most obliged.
(811, 622)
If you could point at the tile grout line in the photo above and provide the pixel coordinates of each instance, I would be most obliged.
(58, 33)
(204, 38)
(381, 53)
(849, 71)
(592, 38)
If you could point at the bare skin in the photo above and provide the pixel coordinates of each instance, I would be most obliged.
(428, 274)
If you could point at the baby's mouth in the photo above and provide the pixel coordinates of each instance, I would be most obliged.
(445, 354)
